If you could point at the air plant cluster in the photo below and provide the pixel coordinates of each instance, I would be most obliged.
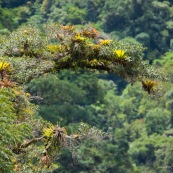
(29, 52)
(67, 47)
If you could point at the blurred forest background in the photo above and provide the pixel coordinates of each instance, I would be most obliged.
(142, 127)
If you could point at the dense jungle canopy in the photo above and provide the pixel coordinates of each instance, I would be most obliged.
(86, 86)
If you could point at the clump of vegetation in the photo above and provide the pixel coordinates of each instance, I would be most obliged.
(32, 53)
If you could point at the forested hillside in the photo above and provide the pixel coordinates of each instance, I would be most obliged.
(86, 86)
(148, 22)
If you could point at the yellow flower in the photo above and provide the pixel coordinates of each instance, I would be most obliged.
(3, 65)
(90, 44)
(120, 54)
(48, 131)
(27, 95)
(91, 33)
(93, 62)
(17, 92)
(16, 167)
(78, 38)
(14, 160)
(105, 42)
(95, 47)
(68, 28)
(53, 48)
(28, 111)
(148, 85)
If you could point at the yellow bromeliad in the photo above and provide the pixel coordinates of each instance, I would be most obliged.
(120, 54)
(78, 38)
(4, 65)
(95, 47)
(48, 131)
(91, 33)
(105, 42)
(148, 85)
(56, 48)
(53, 48)
(68, 28)
(93, 62)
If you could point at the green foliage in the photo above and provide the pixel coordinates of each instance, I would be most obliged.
(152, 151)
(110, 158)
(157, 121)
(60, 97)
(143, 38)
(46, 4)
(76, 48)
(13, 127)
(7, 18)
(115, 15)
(35, 144)
(166, 62)
(111, 116)
(149, 21)
(12, 4)
(75, 15)
(63, 91)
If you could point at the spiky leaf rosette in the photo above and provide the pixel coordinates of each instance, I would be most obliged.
(30, 52)
(64, 47)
